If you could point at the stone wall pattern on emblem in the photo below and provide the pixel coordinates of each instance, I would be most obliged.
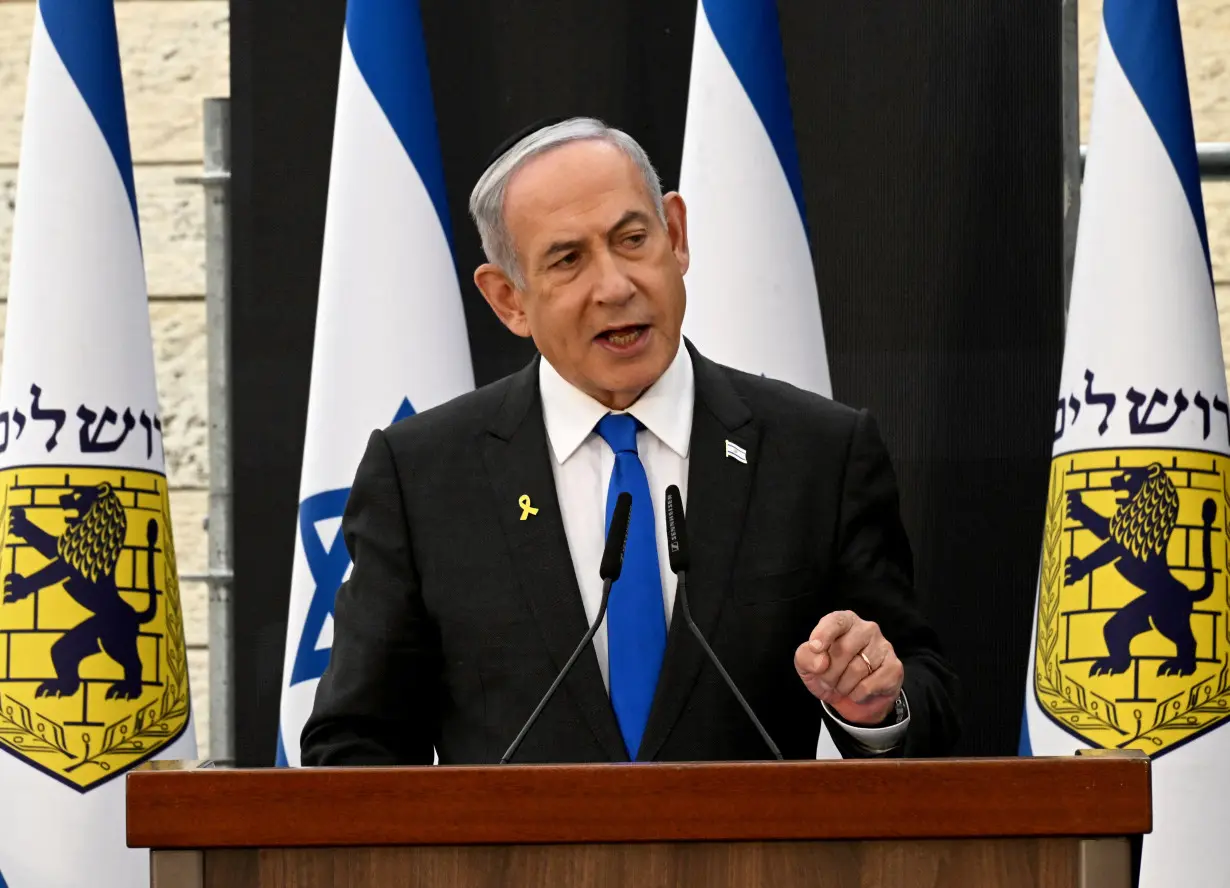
(93, 664)
(1133, 644)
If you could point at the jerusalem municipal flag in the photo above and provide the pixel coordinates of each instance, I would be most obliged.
(752, 300)
(390, 333)
(1132, 641)
(93, 669)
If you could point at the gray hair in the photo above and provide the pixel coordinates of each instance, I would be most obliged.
(487, 198)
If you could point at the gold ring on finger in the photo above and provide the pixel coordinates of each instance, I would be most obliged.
(870, 668)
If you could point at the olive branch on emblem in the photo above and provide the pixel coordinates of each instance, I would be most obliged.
(133, 734)
(1184, 711)
(177, 654)
(1048, 632)
(29, 731)
(1225, 495)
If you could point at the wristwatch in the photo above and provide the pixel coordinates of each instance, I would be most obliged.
(899, 714)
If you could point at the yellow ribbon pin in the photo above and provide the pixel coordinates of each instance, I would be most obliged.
(526, 509)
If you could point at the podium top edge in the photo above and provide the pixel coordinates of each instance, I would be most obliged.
(1085, 796)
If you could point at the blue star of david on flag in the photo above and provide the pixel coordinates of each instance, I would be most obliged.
(328, 567)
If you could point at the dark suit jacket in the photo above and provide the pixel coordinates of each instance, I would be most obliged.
(458, 615)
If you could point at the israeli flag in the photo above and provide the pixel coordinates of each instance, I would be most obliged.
(1130, 647)
(752, 300)
(93, 662)
(390, 333)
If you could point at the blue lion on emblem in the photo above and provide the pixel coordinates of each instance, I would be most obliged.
(1135, 539)
(84, 558)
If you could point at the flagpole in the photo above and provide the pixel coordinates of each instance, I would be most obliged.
(218, 330)
(219, 576)
(1212, 158)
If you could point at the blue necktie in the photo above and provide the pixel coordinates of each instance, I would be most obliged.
(636, 624)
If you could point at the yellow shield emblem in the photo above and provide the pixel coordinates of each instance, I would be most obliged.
(1133, 639)
(93, 668)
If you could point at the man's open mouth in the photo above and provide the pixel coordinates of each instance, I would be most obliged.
(622, 337)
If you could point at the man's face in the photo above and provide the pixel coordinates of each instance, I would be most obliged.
(603, 296)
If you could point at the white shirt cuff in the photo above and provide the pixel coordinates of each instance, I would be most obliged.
(875, 739)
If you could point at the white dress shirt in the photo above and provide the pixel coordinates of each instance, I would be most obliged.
(582, 463)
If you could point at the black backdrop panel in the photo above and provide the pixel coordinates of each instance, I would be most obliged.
(929, 140)
(284, 64)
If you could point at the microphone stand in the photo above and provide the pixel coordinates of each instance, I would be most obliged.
(606, 594)
(682, 592)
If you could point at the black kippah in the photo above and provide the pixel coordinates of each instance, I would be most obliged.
(521, 134)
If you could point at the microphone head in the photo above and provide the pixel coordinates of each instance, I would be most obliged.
(676, 531)
(616, 539)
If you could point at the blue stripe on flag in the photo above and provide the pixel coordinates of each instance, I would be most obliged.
(281, 762)
(3, 884)
(83, 33)
(386, 39)
(1023, 747)
(748, 32)
(1149, 45)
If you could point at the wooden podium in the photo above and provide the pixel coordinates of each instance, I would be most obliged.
(981, 823)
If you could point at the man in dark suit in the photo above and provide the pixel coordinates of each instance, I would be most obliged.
(476, 528)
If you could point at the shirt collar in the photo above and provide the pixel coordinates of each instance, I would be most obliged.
(665, 409)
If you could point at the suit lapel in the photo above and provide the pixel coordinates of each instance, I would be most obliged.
(518, 463)
(718, 490)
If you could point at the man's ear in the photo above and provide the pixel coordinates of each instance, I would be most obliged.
(503, 297)
(677, 228)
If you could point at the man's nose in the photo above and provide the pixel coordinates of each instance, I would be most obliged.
(612, 284)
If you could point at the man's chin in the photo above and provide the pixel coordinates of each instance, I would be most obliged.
(622, 388)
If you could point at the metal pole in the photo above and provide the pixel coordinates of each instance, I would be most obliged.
(216, 182)
(1071, 123)
(218, 327)
(1213, 159)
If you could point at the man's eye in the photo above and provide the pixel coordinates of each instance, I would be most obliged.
(567, 260)
(635, 240)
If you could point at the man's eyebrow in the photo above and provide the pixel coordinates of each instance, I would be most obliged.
(628, 218)
(562, 247)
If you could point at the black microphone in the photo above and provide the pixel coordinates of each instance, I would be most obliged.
(680, 559)
(609, 569)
